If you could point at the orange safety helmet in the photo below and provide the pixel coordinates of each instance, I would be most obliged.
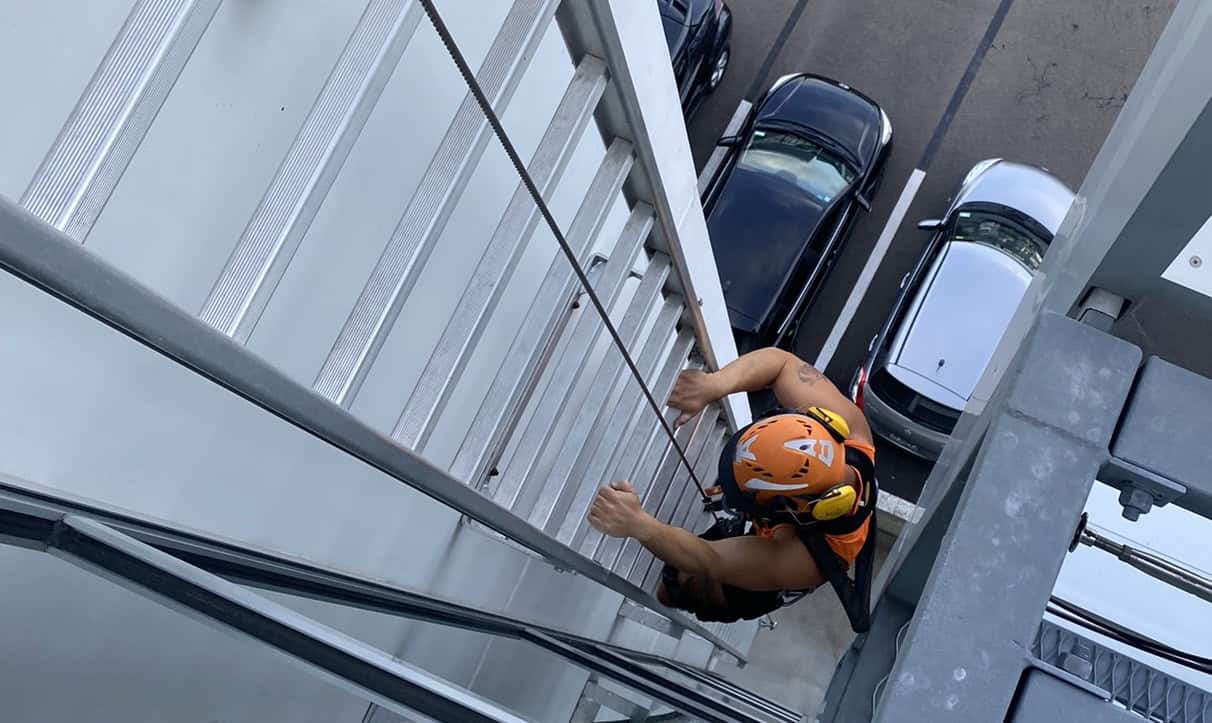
(792, 462)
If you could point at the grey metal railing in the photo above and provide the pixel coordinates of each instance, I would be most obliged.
(206, 576)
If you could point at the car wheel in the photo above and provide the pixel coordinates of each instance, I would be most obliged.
(719, 68)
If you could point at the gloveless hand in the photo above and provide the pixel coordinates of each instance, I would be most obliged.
(616, 510)
(693, 391)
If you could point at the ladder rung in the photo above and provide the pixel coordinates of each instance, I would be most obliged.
(417, 233)
(626, 455)
(492, 274)
(660, 483)
(690, 508)
(551, 414)
(683, 494)
(297, 190)
(611, 424)
(656, 447)
(545, 481)
(523, 364)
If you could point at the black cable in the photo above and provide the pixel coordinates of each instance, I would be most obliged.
(1130, 640)
(499, 131)
(1132, 637)
(1092, 621)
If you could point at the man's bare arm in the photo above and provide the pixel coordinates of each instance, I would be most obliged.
(753, 563)
(748, 562)
(796, 384)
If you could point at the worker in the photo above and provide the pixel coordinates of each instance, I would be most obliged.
(798, 497)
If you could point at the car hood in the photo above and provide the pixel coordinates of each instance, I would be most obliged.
(1024, 188)
(759, 227)
(958, 317)
(822, 106)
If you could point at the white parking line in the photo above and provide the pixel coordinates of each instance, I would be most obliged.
(868, 272)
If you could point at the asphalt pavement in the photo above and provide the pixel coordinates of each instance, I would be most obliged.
(1037, 81)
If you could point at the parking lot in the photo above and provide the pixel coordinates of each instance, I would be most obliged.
(1038, 81)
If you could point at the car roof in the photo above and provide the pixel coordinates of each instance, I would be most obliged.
(1028, 189)
(957, 318)
(827, 107)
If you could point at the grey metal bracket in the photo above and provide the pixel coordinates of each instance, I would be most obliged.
(650, 619)
(595, 696)
(1140, 489)
(1100, 308)
(1079, 676)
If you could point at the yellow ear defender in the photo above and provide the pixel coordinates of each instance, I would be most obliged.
(834, 423)
(835, 502)
(839, 500)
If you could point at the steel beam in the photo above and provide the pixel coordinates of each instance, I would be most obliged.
(27, 517)
(998, 562)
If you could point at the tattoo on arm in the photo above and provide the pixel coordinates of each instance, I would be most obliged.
(808, 374)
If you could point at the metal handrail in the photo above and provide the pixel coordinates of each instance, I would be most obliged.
(186, 567)
(52, 262)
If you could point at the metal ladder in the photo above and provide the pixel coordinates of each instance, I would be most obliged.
(562, 413)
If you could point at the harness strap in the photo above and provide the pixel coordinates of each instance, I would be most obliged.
(855, 595)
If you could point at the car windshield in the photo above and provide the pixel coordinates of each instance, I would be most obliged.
(1002, 234)
(807, 164)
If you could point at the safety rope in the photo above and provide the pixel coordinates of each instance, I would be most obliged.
(499, 131)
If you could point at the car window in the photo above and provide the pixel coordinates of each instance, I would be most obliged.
(806, 164)
(1000, 233)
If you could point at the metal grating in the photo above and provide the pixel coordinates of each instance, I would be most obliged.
(1130, 683)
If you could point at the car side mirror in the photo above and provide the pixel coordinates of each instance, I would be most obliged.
(729, 141)
(930, 224)
(863, 202)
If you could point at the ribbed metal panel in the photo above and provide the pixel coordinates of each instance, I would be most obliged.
(81, 169)
(423, 220)
(307, 172)
(543, 441)
(488, 281)
(683, 495)
(662, 495)
(520, 371)
(611, 417)
(626, 457)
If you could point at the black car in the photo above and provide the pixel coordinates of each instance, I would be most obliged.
(698, 33)
(807, 158)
